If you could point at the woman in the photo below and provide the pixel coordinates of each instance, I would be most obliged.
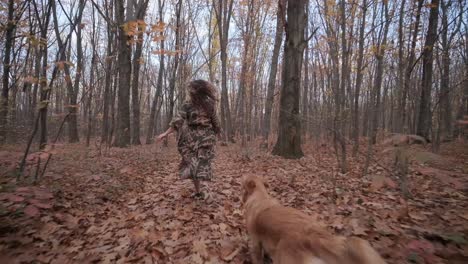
(197, 126)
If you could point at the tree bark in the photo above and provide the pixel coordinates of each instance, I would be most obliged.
(402, 113)
(273, 71)
(359, 76)
(73, 118)
(175, 68)
(140, 15)
(424, 118)
(401, 66)
(72, 89)
(11, 25)
(288, 144)
(43, 84)
(122, 133)
(445, 94)
(159, 84)
(105, 133)
(375, 96)
(223, 17)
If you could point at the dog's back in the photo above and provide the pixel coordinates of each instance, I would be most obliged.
(296, 238)
(291, 236)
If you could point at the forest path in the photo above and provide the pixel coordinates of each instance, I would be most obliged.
(128, 206)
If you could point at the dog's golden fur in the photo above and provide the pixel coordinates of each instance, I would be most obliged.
(289, 236)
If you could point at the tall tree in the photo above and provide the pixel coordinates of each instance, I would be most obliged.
(122, 135)
(105, 133)
(141, 8)
(175, 66)
(6, 70)
(288, 144)
(378, 77)
(424, 116)
(273, 70)
(223, 10)
(359, 77)
(159, 83)
(44, 85)
(445, 94)
(410, 64)
(72, 88)
(245, 79)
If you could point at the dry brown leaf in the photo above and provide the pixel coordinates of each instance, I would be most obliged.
(357, 228)
(31, 211)
(199, 247)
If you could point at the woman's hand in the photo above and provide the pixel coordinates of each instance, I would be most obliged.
(161, 137)
(165, 134)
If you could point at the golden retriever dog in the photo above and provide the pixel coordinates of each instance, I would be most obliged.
(289, 236)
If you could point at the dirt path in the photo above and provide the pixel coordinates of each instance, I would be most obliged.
(128, 207)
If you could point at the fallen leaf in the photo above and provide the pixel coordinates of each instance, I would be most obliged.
(197, 259)
(40, 204)
(199, 247)
(233, 254)
(357, 229)
(12, 198)
(31, 211)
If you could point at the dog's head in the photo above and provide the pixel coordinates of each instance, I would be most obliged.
(250, 184)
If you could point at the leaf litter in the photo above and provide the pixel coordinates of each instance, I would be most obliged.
(128, 206)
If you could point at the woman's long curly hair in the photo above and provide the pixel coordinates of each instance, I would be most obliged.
(203, 95)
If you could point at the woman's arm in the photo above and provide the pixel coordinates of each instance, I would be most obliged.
(169, 131)
(215, 122)
(176, 123)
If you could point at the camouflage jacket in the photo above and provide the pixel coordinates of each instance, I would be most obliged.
(194, 117)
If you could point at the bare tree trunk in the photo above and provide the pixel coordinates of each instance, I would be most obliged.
(105, 138)
(140, 15)
(154, 104)
(72, 89)
(122, 133)
(91, 87)
(409, 69)
(273, 71)
(424, 118)
(44, 87)
(172, 82)
(305, 85)
(223, 17)
(401, 66)
(73, 118)
(375, 110)
(445, 106)
(359, 76)
(10, 28)
(37, 72)
(288, 144)
(445, 91)
(241, 104)
(339, 130)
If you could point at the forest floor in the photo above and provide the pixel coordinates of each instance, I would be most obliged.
(128, 206)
